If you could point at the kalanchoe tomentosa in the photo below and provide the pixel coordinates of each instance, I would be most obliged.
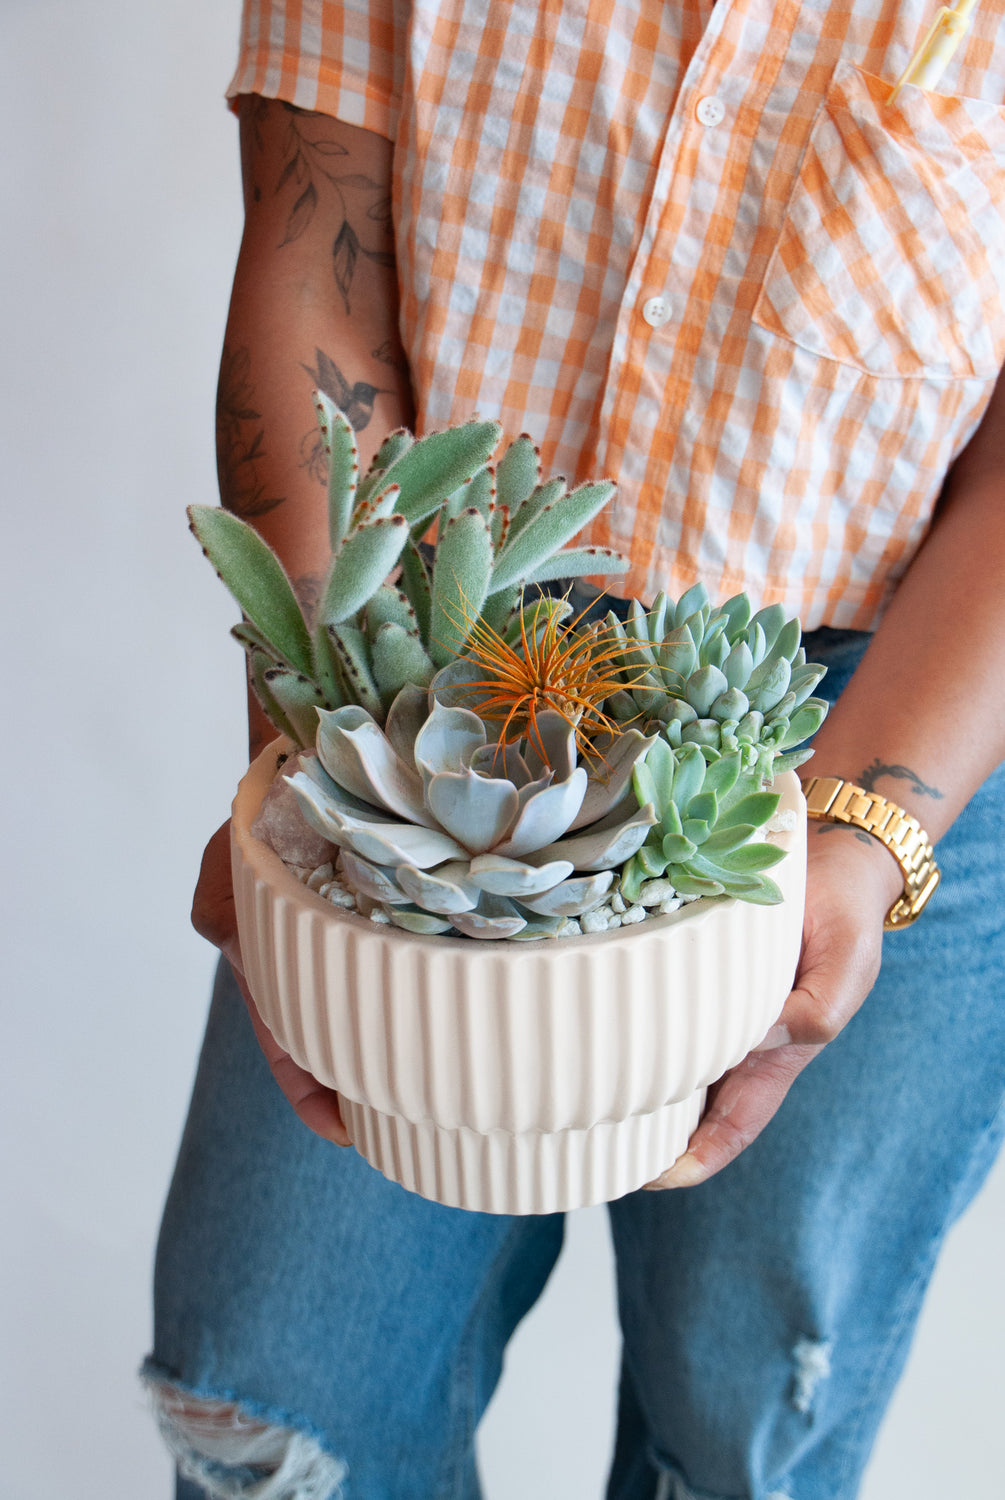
(498, 529)
(445, 828)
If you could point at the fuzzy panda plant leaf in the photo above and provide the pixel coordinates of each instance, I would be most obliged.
(497, 531)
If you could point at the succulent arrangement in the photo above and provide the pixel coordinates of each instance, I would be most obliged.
(483, 761)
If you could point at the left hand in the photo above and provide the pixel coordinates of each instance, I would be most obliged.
(214, 917)
(850, 886)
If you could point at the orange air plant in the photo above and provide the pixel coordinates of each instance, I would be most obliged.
(560, 667)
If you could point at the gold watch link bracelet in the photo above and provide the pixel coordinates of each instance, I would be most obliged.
(831, 800)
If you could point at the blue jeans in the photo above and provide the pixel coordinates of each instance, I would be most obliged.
(766, 1314)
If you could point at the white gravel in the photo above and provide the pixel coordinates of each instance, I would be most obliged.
(657, 898)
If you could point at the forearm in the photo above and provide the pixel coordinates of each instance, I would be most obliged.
(923, 723)
(923, 719)
(314, 304)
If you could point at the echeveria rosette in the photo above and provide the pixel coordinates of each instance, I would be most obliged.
(723, 679)
(444, 828)
(708, 813)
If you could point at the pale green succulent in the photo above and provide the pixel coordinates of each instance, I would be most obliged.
(444, 828)
(497, 531)
(707, 815)
(720, 678)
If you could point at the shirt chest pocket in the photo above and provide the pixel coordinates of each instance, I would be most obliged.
(891, 257)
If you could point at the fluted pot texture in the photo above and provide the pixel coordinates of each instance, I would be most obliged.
(514, 1078)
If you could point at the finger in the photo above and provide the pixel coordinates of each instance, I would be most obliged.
(740, 1105)
(318, 1107)
(838, 970)
(833, 981)
(213, 913)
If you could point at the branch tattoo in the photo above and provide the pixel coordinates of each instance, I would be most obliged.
(310, 164)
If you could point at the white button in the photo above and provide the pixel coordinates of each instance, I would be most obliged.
(656, 311)
(710, 111)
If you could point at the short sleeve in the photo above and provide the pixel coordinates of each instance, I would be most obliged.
(344, 58)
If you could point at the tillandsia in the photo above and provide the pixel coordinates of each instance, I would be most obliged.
(387, 617)
(441, 828)
(543, 662)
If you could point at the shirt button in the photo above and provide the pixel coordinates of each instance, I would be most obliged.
(656, 311)
(710, 111)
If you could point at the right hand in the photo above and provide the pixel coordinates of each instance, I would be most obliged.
(214, 917)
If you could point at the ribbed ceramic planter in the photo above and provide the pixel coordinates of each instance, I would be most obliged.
(514, 1077)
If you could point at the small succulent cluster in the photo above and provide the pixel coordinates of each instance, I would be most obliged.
(483, 763)
(722, 678)
(707, 812)
(498, 530)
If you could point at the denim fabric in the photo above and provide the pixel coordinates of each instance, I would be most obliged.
(766, 1314)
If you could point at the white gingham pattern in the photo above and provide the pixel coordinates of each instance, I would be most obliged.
(834, 267)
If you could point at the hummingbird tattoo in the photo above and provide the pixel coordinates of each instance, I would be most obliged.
(356, 401)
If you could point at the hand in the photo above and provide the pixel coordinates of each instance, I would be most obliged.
(850, 886)
(214, 917)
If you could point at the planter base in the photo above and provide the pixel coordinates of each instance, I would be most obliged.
(536, 1172)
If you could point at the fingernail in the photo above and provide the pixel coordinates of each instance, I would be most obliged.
(686, 1171)
(778, 1036)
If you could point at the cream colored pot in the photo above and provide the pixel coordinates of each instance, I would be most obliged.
(514, 1077)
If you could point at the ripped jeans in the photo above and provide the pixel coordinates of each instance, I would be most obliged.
(765, 1314)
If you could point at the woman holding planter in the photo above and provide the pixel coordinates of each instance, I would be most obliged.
(704, 252)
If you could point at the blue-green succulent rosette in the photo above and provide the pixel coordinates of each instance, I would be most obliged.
(444, 828)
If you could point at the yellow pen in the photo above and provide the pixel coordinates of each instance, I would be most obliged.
(941, 40)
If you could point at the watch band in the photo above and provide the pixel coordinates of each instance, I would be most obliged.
(831, 800)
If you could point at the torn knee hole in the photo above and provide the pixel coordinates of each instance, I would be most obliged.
(235, 1456)
(208, 1422)
(812, 1363)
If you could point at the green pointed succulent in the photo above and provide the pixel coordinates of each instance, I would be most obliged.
(707, 815)
(720, 678)
(443, 828)
(497, 530)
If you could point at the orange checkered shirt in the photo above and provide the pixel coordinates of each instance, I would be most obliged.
(693, 248)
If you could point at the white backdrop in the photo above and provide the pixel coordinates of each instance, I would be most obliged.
(119, 223)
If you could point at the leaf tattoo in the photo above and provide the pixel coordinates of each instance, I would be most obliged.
(390, 353)
(240, 439)
(308, 163)
(301, 214)
(345, 253)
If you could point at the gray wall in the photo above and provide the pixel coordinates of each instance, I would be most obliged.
(118, 230)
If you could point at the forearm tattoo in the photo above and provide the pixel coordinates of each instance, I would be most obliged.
(314, 166)
(308, 589)
(879, 768)
(240, 439)
(298, 159)
(859, 833)
(354, 401)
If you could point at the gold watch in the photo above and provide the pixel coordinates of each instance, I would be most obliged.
(831, 800)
